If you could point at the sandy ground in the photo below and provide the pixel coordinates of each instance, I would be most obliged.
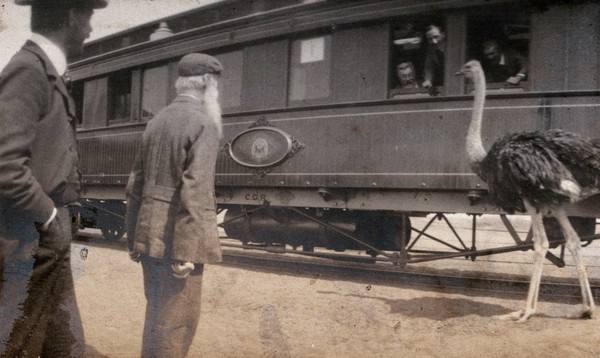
(249, 313)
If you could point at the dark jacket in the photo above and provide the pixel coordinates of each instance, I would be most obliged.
(38, 151)
(508, 64)
(170, 193)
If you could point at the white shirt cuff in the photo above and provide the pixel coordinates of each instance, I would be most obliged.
(47, 223)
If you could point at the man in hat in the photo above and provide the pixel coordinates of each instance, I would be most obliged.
(171, 217)
(38, 178)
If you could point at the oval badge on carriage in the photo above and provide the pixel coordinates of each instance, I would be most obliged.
(262, 147)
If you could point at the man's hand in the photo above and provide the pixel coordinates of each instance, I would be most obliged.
(134, 256)
(515, 80)
(182, 269)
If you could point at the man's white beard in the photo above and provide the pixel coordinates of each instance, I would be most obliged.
(211, 101)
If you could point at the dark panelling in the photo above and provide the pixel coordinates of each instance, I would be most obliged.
(402, 146)
(108, 159)
(547, 50)
(360, 63)
(583, 47)
(564, 47)
(265, 75)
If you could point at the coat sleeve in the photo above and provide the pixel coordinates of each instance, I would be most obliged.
(133, 194)
(196, 232)
(23, 100)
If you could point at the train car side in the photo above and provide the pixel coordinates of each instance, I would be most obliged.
(311, 127)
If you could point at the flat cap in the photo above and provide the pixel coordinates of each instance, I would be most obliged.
(198, 64)
(94, 4)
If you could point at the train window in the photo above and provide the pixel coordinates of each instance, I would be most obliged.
(499, 39)
(310, 69)
(155, 88)
(119, 97)
(418, 56)
(230, 84)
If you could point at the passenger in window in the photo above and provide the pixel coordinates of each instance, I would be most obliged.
(434, 58)
(407, 76)
(503, 64)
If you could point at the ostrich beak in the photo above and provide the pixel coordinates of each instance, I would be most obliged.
(459, 73)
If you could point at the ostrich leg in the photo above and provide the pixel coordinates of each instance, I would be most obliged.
(573, 243)
(540, 246)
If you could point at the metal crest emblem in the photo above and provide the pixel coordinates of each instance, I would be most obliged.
(262, 147)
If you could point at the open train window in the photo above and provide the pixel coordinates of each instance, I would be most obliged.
(155, 90)
(310, 69)
(119, 97)
(418, 56)
(499, 39)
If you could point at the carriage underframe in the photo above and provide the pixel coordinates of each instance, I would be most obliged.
(347, 223)
(454, 245)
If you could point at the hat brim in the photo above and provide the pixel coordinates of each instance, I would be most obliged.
(94, 4)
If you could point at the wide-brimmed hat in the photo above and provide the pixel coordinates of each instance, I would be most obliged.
(94, 4)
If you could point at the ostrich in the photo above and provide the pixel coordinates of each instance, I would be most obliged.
(537, 173)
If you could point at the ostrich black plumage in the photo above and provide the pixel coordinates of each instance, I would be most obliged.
(538, 173)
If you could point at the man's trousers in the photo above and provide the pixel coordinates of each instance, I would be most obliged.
(172, 309)
(39, 316)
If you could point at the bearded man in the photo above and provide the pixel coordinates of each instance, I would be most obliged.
(171, 216)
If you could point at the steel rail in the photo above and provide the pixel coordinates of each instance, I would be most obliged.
(551, 289)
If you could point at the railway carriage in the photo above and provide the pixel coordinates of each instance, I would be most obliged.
(316, 152)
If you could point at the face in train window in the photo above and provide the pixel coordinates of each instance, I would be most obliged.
(154, 90)
(119, 97)
(500, 41)
(310, 68)
(418, 56)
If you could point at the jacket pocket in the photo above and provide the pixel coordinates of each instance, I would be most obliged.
(164, 193)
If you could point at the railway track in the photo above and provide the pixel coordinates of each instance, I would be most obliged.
(368, 270)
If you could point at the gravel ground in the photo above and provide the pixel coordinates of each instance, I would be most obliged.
(251, 313)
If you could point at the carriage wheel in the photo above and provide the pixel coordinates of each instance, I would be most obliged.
(114, 233)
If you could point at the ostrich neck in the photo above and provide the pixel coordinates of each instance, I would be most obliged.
(475, 150)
